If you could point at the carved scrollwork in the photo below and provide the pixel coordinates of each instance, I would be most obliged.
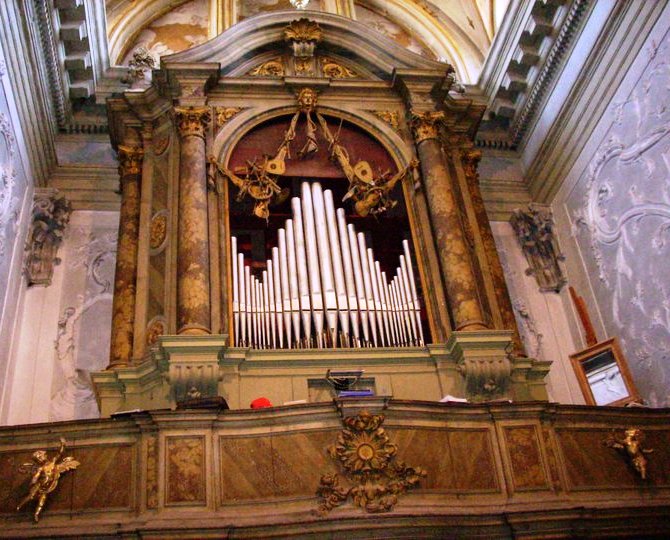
(270, 68)
(367, 456)
(335, 70)
(390, 117)
(223, 114)
(156, 327)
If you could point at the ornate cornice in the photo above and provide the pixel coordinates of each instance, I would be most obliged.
(192, 121)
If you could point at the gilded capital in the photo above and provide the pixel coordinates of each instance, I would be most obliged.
(470, 158)
(130, 160)
(425, 125)
(192, 121)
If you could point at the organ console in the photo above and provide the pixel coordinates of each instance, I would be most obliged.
(323, 287)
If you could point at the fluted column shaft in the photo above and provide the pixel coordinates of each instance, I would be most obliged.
(470, 159)
(193, 286)
(125, 277)
(452, 248)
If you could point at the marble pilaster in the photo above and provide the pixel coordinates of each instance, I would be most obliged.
(123, 308)
(193, 284)
(452, 247)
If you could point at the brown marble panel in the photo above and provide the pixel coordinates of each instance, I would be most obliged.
(156, 285)
(524, 456)
(474, 466)
(105, 477)
(281, 466)
(453, 459)
(428, 449)
(590, 464)
(185, 470)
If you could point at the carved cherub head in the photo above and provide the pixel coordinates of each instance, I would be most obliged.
(40, 456)
(307, 99)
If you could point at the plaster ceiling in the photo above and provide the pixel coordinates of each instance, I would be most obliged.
(455, 31)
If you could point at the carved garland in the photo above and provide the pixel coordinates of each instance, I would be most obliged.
(367, 456)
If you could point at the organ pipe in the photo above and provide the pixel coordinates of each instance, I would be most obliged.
(322, 286)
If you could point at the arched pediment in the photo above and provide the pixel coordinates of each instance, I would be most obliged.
(364, 51)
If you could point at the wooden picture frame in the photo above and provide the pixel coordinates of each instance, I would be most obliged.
(603, 374)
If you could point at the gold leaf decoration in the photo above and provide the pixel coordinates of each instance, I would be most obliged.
(366, 454)
(270, 68)
(303, 30)
(223, 114)
(158, 230)
(390, 117)
(335, 70)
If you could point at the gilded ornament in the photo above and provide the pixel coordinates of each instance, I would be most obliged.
(223, 114)
(304, 66)
(130, 160)
(367, 456)
(390, 117)
(192, 121)
(631, 447)
(161, 145)
(269, 68)
(303, 30)
(45, 474)
(158, 230)
(154, 329)
(425, 125)
(335, 70)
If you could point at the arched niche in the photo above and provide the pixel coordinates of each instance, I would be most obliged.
(365, 138)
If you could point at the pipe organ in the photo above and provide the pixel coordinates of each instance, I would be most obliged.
(323, 288)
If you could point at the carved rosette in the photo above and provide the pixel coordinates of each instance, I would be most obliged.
(155, 328)
(367, 456)
(51, 214)
(158, 231)
(192, 121)
(425, 125)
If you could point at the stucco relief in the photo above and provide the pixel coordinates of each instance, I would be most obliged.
(82, 343)
(621, 216)
(8, 198)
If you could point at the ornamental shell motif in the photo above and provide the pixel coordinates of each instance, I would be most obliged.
(367, 456)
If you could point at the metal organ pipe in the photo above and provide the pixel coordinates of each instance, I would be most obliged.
(322, 286)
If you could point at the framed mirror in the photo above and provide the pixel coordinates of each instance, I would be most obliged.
(603, 374)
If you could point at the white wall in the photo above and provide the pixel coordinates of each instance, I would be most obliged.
(613, 214)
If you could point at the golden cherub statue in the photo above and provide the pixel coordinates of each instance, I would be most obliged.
(631, 444)
(45, 476)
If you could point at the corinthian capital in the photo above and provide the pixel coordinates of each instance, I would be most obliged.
(470, 158)
(192, 121)
(425, 125)
(130, 160)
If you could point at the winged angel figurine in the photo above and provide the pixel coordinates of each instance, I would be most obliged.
(45, 474)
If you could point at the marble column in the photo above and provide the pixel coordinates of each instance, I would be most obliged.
(123, 306)
(470, 158)
(455, 259)
(193, 285)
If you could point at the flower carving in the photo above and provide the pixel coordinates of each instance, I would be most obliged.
(367, 456)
